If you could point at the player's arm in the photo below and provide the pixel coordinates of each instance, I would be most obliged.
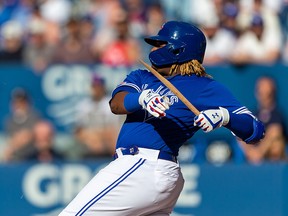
(117, 103)
(130, 86)
(242, 123)
(220, 108)
(128, 97)
(127, 102)
(246, 126)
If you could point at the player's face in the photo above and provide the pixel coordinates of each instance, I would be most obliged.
(158, 46)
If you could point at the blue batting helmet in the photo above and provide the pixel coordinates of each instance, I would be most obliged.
(184, 42)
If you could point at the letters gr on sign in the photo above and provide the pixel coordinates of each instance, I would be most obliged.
(64, 85)
(49, 185)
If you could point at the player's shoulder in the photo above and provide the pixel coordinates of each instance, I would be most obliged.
(197, 80)
(206, 84)
(141, 72)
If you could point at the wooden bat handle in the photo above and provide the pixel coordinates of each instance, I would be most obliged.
(171, 87)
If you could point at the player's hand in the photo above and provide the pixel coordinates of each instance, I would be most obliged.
(208, 120)
(154, 103)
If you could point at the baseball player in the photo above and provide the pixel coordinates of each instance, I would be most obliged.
(145, 177)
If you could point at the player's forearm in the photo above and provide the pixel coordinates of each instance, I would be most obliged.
(129, 102)
(117, 103)
(246, 127)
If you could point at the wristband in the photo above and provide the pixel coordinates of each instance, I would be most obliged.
(131, 103)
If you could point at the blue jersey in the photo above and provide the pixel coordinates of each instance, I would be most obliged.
(170, 132)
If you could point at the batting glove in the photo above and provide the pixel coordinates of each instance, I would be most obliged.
(208, 120)
(153, 103)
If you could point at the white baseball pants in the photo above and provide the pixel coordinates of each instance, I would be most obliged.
(131, 185)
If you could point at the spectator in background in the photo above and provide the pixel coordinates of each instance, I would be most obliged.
(258, 45)
(228, 18)
(284, 25)
(37, 52)
(124, 50)
(196, 9)
(56, 11)
(219, 40)
(43, 143)
(53, 29)
(87, 29)
(23, 11)
(136, 10)
(155, 17)
(102, 12)
(114, 44)
(19, 124)
(272, 147)
(96, 128)
(7, 9)
(11, 49)
(265, 8)
(72, 49)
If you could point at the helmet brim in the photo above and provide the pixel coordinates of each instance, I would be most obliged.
(159, 40)
(156, 40)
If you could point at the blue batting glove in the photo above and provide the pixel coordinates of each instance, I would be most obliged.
(211, 119)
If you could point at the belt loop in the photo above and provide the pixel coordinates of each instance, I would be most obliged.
(119, 152)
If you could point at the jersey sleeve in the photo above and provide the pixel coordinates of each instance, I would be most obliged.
(242, 121)
(132, 83)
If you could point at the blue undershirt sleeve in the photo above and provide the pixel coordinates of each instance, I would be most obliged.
(241, 125)
(131, 103)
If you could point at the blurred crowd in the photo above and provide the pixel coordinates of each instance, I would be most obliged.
(29, 135)
(40, 33)
(43, 32)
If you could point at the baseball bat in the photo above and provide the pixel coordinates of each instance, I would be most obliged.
(171, 87)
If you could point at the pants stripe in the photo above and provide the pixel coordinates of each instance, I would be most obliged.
(110, 187)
